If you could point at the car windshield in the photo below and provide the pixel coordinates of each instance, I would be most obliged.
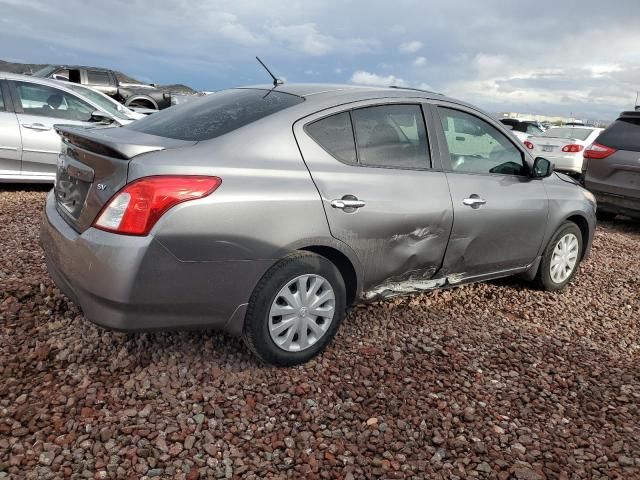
(577, 133)
(45, 71)
(216, 114)
(102, 101)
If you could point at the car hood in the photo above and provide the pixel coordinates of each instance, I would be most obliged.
(566, 178)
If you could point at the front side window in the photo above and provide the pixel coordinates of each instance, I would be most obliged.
(99, 99)
(391, 136)
(475, 146)
(50, 102)
(215, 114)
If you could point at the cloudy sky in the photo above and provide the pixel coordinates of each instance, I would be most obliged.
(559, 57)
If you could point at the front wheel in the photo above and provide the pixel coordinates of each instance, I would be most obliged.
(561, 258)
(295, 309)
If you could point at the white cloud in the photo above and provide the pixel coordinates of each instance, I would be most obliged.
(304, 38)
(420, 62)
(410, 47)
(229, 28)
(367, 78)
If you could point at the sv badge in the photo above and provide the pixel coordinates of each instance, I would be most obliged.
(102, 186)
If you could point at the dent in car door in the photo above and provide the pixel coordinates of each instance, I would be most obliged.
(500, 213)
(400, 218)
(10, 143)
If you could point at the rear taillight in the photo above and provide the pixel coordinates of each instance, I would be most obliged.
(529, 145)
(136, 208)
(573, 148)
(598, 151)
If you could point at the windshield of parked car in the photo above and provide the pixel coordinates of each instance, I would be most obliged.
(216, 114)
(577, 133)
(102, 101)
(45, 71)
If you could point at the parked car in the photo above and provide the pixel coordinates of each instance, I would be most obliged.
(522, 129)
(130, 94)
(29, 109)
(612, 167)
(265, 212)
(564, 146)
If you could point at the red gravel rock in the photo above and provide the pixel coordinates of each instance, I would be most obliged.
(492, 380)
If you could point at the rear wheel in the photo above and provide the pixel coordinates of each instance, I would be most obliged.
(142, 103)
(561, 258)
(295, 309)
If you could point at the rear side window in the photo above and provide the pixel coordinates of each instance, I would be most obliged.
(335, 135)
(623, 134)
(214, 115)
(97, 77)
(391, 136)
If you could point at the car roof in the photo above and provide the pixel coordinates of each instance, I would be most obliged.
(327, 93)
(30, 78)
(629, 114)
(521, 120)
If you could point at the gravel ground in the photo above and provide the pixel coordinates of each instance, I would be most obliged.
(491, 380)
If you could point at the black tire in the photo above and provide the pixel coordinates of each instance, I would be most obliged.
(543, 277)
(256, 326)
(605, 216)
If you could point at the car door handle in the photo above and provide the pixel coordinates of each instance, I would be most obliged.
(347, 203)
(36, 126)
(474, 201)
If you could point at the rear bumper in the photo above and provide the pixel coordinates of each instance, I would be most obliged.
(135, 283)
(566, 163)
(618, 204)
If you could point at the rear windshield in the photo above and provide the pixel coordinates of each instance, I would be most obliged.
(216, 114)
(623, 134)
(577, 133)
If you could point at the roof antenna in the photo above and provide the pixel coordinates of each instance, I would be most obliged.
(276, 81)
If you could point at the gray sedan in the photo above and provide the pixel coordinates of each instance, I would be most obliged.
(267, 212)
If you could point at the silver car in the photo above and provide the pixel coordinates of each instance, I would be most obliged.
(267, 212)
(29, 108)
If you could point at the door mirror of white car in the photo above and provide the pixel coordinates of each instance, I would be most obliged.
(542, 168)
(101, 117)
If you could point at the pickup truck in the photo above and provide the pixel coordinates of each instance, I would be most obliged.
(138, 96)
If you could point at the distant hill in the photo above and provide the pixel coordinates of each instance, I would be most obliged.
(122, 78)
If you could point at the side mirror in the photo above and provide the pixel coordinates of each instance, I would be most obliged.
(542, 168)
(101, 117)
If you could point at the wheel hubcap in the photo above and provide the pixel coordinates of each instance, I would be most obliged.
(301, 313)
(564, 258)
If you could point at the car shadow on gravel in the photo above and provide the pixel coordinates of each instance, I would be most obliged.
(25, 187)
(621, 224)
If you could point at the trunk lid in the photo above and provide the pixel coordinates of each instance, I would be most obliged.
(93, 165)
(553, 145)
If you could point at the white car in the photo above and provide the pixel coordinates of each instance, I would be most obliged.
(564, 146)
(29, 108)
